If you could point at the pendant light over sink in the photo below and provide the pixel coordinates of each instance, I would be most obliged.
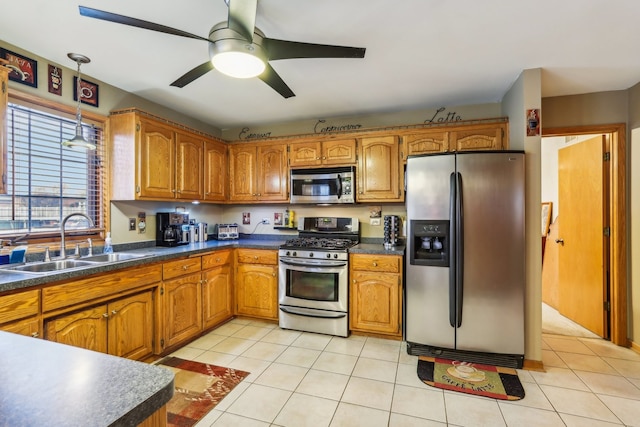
(79, 141)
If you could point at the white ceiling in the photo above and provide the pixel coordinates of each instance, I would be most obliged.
(420, 53)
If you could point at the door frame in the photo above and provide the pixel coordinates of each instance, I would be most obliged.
(617, 200)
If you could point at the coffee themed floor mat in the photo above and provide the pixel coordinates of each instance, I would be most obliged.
(473, 378)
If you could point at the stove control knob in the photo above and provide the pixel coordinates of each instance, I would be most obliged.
(328, 255)
(288, 253)
(295, 253)
(335, 255)
(310, 254)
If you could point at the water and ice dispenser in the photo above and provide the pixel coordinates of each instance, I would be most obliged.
(429, 242)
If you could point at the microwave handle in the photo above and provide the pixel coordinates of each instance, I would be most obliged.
(339, 185)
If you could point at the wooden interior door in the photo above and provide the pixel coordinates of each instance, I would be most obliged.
(582, 261)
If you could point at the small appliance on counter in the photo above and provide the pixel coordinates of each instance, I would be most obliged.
(226, 231)
(391, 230)
(169, 228)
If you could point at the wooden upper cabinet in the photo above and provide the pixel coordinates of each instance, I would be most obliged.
(316, 153)
(189, 166)
(479, 137)
(258, 172)
(4, 99)
(242, 172)
(156, 161)
(425, 142)
(215, 171)
(379, 178)
(272, 173)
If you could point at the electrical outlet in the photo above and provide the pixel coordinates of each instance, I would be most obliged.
(132, 224)
(142, 222)
(265, 220)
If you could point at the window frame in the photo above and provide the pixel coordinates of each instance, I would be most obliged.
(53, 107)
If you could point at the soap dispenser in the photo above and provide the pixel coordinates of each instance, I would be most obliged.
(108, 248)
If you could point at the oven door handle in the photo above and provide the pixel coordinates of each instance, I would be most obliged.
(314, 263)
(313, 313)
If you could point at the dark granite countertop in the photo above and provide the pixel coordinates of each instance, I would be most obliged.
(50, 384)
(10, 280)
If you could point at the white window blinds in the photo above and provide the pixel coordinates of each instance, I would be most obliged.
(45, 181)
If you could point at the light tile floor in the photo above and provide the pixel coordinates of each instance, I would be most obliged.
(302, 379)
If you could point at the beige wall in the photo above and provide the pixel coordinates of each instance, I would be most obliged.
(633, 156)
(525, 94)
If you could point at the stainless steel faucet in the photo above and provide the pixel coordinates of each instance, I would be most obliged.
(63, 252)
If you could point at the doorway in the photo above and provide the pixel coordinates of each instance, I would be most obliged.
(614, 310)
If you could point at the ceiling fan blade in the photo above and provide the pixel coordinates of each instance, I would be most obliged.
(190, 76)
(284, 49)
(242, 17)
(270, 77)
(134, 22)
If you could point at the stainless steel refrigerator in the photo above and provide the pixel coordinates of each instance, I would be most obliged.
(465, 266)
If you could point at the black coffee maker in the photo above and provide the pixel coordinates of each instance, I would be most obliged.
(169, 228)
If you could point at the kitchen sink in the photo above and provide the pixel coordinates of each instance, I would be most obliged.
(113, 257)
(50, 266)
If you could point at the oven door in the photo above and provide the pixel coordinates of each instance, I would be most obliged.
(313, 283)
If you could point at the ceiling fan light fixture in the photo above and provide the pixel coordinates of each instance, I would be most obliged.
(240, 65)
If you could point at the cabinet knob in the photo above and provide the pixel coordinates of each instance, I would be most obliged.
(324, 157)
(375, 264)
(255, 257)
(35, 335)
(113, 311)
(105, 315)
(206, 194)
(217, 259)
(354, 281)
(273, 274)
(184, 267)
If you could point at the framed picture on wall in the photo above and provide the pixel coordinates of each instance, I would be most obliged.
(23, 70)
(546, 217)
(88, 91)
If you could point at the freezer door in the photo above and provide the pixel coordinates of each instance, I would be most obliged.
(493, 286)
(427, 287)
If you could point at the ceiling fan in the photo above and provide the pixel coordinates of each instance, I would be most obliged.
(239, 39)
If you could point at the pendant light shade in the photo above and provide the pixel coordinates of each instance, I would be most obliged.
(79, 141)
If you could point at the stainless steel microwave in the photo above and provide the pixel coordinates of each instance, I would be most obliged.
(323, 186)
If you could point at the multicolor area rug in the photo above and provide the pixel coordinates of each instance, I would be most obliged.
(199, 387)
(483, 380)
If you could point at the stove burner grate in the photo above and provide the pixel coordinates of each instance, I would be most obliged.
(319, 243)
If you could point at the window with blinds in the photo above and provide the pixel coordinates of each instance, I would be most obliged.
(45, 181)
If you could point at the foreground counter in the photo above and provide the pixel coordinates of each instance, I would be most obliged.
(49, 384)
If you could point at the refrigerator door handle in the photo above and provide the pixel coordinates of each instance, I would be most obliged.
(459, 249)
(452, 250)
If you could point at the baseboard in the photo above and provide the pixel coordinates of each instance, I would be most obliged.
(533, 365)
(634, 346)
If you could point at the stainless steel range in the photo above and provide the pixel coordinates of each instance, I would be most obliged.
(313, 289)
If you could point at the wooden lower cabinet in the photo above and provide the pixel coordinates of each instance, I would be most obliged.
(20, 313)
(257, 283)
(376, 294)
(123, 327)
(182, 308)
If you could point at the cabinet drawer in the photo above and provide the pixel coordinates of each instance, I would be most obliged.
(18, 306)
(216, 259)
(386, 263)
(180, 267)
(257, 256)
(99, 286)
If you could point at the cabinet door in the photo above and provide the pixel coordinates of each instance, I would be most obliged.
(4, 98)
(272, 173)
(215, 171)
(378, 172)
(156, 161)
(425, 142)
(216, 296)
(257, 290)
(305, 154)
(85, 329)
(130, 328)
(487, 137)
(189, 167)
(339, 152)
(375, 302)
(242, 172)
(182, 308)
